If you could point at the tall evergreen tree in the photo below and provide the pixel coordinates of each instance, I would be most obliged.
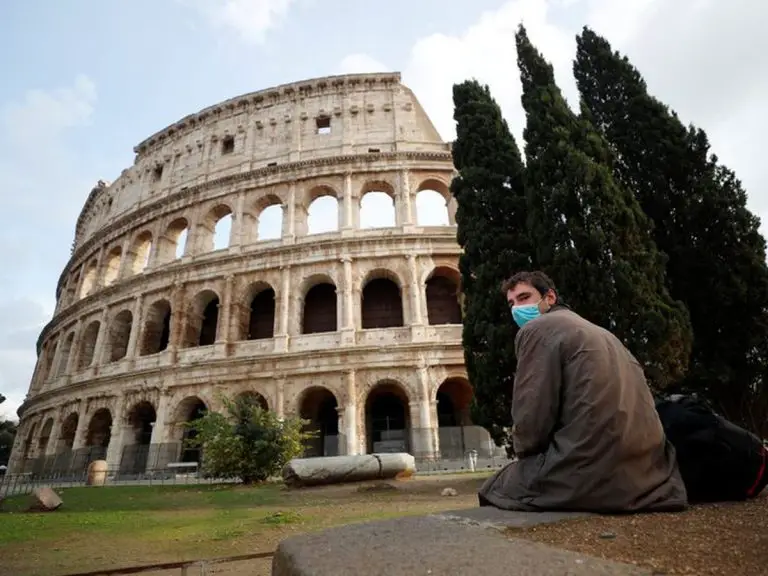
(490, 217)
(591, 235)
(716, 255)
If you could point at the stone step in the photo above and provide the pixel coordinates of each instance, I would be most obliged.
(459, 543)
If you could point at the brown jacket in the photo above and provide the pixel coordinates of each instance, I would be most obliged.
(586, 430)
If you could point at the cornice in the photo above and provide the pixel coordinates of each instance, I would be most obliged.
(187, 190)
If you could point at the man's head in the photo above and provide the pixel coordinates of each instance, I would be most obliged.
(529, 295)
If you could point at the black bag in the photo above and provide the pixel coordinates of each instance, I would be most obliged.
(718, 460)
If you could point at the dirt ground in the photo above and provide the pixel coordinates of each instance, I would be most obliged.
(709, 540)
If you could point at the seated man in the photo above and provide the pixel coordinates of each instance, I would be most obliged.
(585, 428)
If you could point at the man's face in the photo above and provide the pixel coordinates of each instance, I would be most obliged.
(522, 294)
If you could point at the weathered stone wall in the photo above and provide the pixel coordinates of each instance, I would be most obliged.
(147, 324)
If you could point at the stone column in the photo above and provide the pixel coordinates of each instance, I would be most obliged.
(348, 306)
(406, 200)
(177, 320)
(115, 446)
(101, 338)
(53, 439)
(82, 426)
(238, 223)
(350, 414)
(289, 217)
(225, 312)
(348, 222)
(423, 440)
(282, 336)
(280, 398)
(74, 352)
(135, 328)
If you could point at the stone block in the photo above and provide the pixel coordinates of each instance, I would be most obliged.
(460, 543)
(341, 469)
(44, 499)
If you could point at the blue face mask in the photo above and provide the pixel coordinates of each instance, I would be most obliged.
(525, 313)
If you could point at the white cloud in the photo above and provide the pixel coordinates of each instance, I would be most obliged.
(358, 63)
(43, 190)
(249, 19)
(694, 54)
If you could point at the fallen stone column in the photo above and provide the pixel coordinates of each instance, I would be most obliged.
(340, 469)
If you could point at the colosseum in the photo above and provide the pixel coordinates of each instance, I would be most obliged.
(284, 244)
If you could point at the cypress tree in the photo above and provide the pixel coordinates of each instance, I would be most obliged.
(491, 229)
(591, 235)
(716, 255)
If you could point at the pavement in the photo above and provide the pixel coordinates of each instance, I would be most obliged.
(467, 542)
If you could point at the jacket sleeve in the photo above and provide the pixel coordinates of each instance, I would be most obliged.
(536, 396)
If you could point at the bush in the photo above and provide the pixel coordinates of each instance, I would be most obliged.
(248, 442)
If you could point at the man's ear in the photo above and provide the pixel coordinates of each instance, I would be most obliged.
(550, 297)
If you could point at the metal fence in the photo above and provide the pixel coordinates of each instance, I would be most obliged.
(441, 450)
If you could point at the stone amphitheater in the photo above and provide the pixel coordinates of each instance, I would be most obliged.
(276, 245)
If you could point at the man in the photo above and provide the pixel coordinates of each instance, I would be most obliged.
(585, 428)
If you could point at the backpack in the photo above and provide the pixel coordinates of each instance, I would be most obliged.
(718, 460)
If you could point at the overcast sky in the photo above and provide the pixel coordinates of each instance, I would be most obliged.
(85, 80)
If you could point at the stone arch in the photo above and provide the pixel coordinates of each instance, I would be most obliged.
(139, 253)
(119, 335)
(319, 306)
(66, 350)
(112, 265)
(157, 328)
(45, 436)
(173, 244)
(89, 279)
(140, 421)
(381, 300)
(319, 406)
(454, 422)
(29, 445)
(202, 320)
(215, 228)
(88, 339)
(443, 295)
(255, 397)
(387, 418)
(257, 319)
(322, 203)
(269, 215)
(378, 205)
(187, 410)
(432, 197)
(68, 431)
(99, 431)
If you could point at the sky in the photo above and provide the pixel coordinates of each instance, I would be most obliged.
(84, 81)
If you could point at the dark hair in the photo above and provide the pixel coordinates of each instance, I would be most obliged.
(540, 281)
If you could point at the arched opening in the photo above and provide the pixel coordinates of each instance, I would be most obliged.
(320, 309)
(119, 335)
(319, 406)
(67, 434)
(454, 397)
(387, 418)
(29, 447)
(112, 268)
(382, 304)
(137, 439)
(157, 328)
(377, 206)
(202, 320)
(323, 212)
(261, 317)
(88, 345)
(431, 208)
(189, 409)
(98, 435)
(254, 398)
(270, 222)
(66, 350)
(140, 251)
(442, 291)
(45, 436)
(173, 244)
(221, 217)
(89, 279)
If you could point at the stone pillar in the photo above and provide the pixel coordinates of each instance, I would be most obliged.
(238, 223)
(283, 331)
(348, 222)
(177, 320)
(82, 426)
(280, 398)
(53, 439)
(406, 200)
(225, 312)
(115, 447)
(350, 415)
(135, 328)
(423, 438)
(348, 305)
(74, 351)
(101, 338)
(289, 217)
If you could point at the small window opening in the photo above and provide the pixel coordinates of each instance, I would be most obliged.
(271, 164)
(323, 124)
(228, 145)
(157, 173)
(374, 150)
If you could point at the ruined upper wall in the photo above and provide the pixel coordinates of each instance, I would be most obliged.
(323, 117)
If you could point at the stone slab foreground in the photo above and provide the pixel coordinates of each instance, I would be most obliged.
(461, 543)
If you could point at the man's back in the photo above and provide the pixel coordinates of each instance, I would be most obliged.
(586, 427)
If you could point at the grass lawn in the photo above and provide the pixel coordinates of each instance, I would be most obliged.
(132, 525)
